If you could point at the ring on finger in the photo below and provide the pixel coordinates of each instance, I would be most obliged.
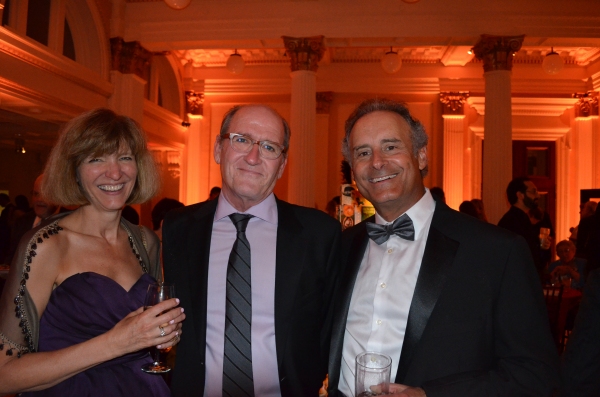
(162, 331)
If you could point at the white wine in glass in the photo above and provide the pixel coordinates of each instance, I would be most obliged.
(157, 293)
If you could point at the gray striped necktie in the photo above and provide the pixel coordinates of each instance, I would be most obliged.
(237, 360)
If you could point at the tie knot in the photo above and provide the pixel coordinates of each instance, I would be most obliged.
(240, 221)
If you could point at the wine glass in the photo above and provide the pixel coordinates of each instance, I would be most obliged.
(157, 293)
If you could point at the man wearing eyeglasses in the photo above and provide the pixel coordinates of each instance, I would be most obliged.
(255, 274)
(523, 196)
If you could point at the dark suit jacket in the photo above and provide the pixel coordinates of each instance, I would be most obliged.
(307, 266)
(477, 324)
(581, 361)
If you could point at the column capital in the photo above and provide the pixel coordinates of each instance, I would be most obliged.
(324, 99)
(194, 103)
(453, 102)
(129, 57)
(496, 52)
(304, 52)
(587, 104)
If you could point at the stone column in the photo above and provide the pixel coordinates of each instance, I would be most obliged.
(496, 52)
(194, 188)
(130, 66)
(322, 149)
(587, 140)
(304, 53)
(454, 147)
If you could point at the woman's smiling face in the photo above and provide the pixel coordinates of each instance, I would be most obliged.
(109, 179)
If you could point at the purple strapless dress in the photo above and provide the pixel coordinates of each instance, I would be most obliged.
(87, 305)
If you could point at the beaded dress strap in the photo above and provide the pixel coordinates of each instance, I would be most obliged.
(20, 312)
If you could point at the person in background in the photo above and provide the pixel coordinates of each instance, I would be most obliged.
(480, 209)
(129, 213)
(523, 196)
(41, 210)
(438, 194)
(584, 229)
(568, 267)
(22, 205)
(581, 360)
(273, 263)
(159, 212)
(454, 302)
(333, 207)
(7, 209)
(214, 193)
(78, 281)
(467, 207)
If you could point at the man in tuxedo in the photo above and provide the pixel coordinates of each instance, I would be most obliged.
(263, 329)
(455, 302)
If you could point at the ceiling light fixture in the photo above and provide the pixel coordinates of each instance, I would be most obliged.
(235, 63)
(553, 63)
(391, 62)
(178, 4)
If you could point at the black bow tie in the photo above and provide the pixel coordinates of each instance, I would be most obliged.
(402, 227)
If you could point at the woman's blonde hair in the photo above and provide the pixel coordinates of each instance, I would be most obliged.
(96, 133)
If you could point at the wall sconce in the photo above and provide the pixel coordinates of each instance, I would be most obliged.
(235, 63)
(178, 4)
(19, 144)
(173, 163)
(553, 63)
(391, 62)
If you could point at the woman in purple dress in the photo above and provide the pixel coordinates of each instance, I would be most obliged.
(71, 314)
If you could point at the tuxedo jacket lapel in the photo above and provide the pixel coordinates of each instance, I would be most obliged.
(290, 251)
(439, 254)
(198, 240)
(352, 254)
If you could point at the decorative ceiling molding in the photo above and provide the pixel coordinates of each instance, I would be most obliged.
(446, 55)
(247, 86)
(526, 134)
(40, 56)
(529, 106)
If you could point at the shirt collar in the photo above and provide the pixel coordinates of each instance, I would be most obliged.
(420, 213)
(265, 210)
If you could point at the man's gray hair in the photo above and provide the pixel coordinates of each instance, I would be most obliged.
(418, 136)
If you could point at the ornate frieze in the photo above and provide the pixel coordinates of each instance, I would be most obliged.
(129, 57)
(587, 104)
(194, 103)
(304, 52)
(324, 102)
(453, 101)
(497, 52)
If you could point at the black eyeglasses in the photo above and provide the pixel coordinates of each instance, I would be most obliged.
(243, 144)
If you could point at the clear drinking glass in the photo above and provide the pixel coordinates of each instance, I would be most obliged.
(157, 293)
(372, 374)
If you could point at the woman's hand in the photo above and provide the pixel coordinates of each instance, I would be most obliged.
(159, 325)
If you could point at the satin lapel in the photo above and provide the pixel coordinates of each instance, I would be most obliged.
(198, 253)
(439, 254)
(355, 249)
(288, 269)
